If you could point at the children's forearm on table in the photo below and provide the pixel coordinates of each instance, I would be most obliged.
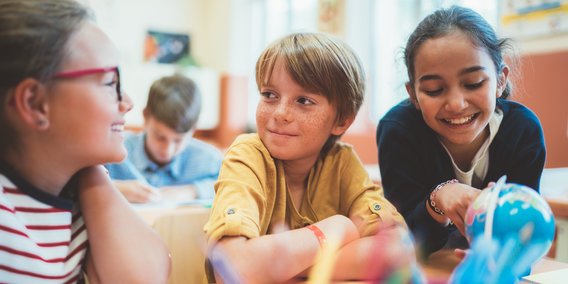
(295, 250)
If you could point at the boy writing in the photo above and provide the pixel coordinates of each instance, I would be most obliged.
(165, 155)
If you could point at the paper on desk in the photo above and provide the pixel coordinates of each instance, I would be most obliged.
(172, 203)
(551, 277)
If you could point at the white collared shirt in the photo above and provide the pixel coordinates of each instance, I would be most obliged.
(480, 162)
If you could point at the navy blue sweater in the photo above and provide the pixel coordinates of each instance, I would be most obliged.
(412, 162)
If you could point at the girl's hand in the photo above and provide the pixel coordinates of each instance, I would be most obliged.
(91, 177)
(454, 199)
(461, 253)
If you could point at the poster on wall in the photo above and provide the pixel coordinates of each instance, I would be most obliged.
(164, 47)
(533, 18)
(331, 17)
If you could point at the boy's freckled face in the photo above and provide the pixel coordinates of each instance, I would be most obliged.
(292, 122)
(162, 143)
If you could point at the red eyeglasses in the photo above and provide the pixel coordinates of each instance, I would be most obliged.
(85, 72)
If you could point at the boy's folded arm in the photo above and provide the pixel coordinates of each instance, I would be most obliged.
(123, 248)
(279, 257)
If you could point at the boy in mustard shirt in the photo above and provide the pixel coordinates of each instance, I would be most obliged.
(294, 171)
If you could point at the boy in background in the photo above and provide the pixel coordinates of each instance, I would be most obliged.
(165, 158)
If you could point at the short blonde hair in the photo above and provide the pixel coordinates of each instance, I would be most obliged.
(321, 64)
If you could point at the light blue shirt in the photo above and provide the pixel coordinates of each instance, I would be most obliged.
(197, 164)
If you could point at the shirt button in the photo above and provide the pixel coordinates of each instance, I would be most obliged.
(230, 211)
(377, 207)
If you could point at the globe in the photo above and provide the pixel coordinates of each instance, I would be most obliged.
(512, 214)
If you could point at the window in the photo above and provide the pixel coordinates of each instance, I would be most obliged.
(376, 30)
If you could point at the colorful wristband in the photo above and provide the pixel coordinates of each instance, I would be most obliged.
(318, 233)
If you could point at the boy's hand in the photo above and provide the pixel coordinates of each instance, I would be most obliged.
(339, 227)
(137, 192)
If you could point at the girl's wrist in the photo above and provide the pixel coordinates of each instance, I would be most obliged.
(432, 196)
(440, 219)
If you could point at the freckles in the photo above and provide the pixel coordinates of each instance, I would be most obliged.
(261, 112)
(317, 120)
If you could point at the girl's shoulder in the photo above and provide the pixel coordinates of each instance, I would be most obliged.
(404, 120)
(403, 112)
(517, 113)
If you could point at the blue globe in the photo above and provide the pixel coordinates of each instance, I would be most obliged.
(512, 213)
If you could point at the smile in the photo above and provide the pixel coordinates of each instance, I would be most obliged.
(281, 133)
(117, 127)
(461, 120)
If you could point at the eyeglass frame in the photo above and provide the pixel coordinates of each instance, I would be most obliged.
(90, 71)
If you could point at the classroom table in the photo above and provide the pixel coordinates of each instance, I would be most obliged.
(181, 227)
(440, 265)
(554, 189)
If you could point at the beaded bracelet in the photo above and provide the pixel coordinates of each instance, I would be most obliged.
(432, 196)
(318, 233)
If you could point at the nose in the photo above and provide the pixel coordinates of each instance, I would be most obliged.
(282, 112)
(126, 103)
(456, 101)
(168, 150)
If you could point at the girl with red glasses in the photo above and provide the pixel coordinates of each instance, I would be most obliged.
(62, 114)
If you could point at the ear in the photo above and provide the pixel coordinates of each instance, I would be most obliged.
(412, 95)
(30, 102)
(341, 127)
(146, 114)
(502, 80)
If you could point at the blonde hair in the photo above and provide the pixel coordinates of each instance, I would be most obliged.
(321, 64)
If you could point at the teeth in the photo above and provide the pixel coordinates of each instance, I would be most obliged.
(117, 127)
(459, 121)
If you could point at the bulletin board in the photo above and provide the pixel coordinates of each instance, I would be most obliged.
(533, 18)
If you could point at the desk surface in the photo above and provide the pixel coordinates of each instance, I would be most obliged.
(554, 189)
(437, 270)
(441, 264)
(150, 213)
(181, 228)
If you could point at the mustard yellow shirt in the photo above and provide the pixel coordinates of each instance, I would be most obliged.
(251, 194)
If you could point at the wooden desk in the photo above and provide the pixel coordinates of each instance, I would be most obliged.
(554, 189)
(440, 266)
(181, 228)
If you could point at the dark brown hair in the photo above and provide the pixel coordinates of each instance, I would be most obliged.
(33, 39)
(175, 101)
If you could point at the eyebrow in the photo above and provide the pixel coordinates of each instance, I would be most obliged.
(461, 73)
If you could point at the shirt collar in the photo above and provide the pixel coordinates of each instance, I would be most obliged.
(144, 163)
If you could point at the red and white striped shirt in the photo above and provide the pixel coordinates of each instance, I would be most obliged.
(42, 237)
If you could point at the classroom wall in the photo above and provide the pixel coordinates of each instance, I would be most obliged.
(127, 22)
(544, 89)
(542, 85)
(220, 38)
